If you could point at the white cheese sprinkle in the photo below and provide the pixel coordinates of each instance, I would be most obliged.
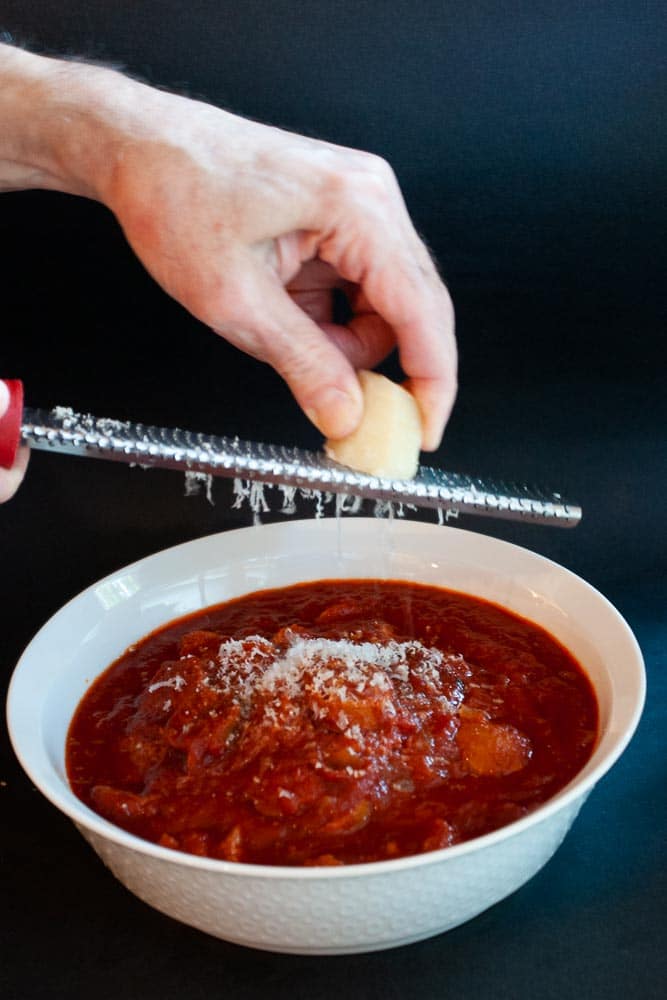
(329, 676)
(177, 682)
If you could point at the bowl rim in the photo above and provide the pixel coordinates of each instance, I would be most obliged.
(577, 789)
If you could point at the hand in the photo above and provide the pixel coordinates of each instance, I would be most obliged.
(250, 227)
(229, 216)
(10, 479)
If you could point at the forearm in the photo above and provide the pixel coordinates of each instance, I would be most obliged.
(63, 124)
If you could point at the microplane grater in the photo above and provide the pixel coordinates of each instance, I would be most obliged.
(63, 431)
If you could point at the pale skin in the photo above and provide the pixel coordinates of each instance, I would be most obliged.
(248, 226)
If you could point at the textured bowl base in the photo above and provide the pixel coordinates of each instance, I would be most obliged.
(289, 920)
(288, 948)
(371, 946)
(347, 915)
(278, 948)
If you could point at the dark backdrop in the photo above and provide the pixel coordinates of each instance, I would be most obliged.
(530, 144)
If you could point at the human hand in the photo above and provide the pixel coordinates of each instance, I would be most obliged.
(10, 479)
(230, 216)
(251, 228)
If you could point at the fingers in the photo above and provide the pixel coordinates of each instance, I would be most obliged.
(266, 323)
(414, 311)
(368, 240)
(365, 341)
(435, 400)
(368, 338)
(417, 315)
(427, 349)
(278, 209)
(10, 479)
(376, 246)
(316, 303)
(403, 286)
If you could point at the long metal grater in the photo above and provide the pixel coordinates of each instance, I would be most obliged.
(61, 430)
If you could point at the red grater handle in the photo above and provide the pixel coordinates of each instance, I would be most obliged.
(10, 423)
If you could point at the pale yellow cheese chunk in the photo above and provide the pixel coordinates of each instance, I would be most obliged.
(387, 441)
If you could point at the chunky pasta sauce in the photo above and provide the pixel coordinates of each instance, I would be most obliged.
(331, 723)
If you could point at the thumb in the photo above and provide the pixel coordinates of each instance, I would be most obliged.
(271, 327)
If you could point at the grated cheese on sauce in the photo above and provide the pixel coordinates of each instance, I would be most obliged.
(328, 676)
(177, 683)
(368, 720)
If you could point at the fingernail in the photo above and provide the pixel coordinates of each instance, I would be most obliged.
(336, 413)
(4, 398)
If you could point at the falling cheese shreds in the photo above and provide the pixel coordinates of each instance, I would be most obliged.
(346, 504)
(196, 481)
(255, 495)
(289, 499)
(383, 508)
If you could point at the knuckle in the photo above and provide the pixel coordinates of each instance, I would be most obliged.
(377, 178)
(359, 177)
(378, 167)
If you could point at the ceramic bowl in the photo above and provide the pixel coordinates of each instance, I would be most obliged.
(356, 908)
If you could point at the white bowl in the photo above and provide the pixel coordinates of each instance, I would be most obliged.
(321, 910)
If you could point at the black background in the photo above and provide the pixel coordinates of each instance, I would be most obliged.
(529, 141)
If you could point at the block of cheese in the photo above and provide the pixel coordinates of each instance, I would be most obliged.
(387, 441)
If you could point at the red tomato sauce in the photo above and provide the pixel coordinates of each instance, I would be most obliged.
(331, 723)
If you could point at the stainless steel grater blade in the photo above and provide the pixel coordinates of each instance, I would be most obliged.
(61, 430)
